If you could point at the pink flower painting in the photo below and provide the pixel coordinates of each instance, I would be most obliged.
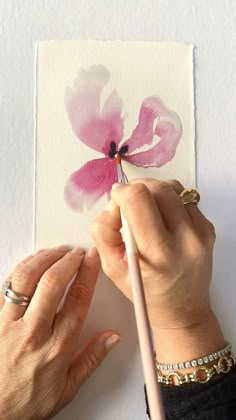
(152, 143)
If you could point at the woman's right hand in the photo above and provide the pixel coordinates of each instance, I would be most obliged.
(175, 244)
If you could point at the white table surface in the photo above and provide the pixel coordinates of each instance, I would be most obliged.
(210, 26)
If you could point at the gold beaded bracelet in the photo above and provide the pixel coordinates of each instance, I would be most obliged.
(201, 374)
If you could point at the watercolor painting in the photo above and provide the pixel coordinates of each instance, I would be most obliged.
(95, 99)
(152, 143)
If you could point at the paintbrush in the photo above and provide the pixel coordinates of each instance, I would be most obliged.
(141, 315)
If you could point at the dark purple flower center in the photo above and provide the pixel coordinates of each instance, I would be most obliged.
(113, 151)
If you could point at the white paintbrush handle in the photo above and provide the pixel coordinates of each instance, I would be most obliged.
(143, 327)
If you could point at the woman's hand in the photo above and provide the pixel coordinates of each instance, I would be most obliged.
(41, 367)
(175, 244)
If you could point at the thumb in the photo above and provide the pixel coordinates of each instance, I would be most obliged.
(87, 360)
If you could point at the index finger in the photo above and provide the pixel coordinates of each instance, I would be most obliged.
(142, 214)
(51, 288)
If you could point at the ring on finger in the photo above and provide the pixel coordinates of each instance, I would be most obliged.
(189, 196)
(15, 301)
(12, 296)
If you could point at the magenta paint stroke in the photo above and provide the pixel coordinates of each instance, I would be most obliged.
(101, 128)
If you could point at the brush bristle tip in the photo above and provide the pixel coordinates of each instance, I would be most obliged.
(118, 159)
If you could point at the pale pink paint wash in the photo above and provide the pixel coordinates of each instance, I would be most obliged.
(98, 128)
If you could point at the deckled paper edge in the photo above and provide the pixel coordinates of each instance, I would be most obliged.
(131, 41)
(35, 142)
(194, 116)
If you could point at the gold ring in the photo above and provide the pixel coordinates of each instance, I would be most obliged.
(189, 196)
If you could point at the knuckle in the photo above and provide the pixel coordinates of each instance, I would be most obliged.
(198, 248)
(50, 278)
(175, 183)
(193, 244)
(56, 348)
(30, 343)
(96, 228)
(40, 251)
(210, 231)
(32, 337)
(23, 274)
(93, 360)
(4, 328)
(162, 186)
(72, 259)
(144, 181)
(19, 265)
(80, 292)
(135, 193)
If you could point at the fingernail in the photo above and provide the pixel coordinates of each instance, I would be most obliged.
(116, 185)
(78, 251)
(112, 341)
(92, 252)
(109, 205)
(62, 248)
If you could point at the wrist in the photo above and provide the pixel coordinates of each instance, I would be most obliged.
(183, 344)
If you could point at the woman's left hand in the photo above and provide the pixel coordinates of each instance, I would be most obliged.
(41, 367)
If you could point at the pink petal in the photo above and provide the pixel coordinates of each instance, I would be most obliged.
(89, 183)
(93, 126)
(143, 132)
(168, 129)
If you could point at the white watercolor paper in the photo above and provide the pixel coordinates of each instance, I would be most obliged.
(68, 75)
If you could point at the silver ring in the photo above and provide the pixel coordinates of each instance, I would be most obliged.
(15, 301)
(14, 297)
